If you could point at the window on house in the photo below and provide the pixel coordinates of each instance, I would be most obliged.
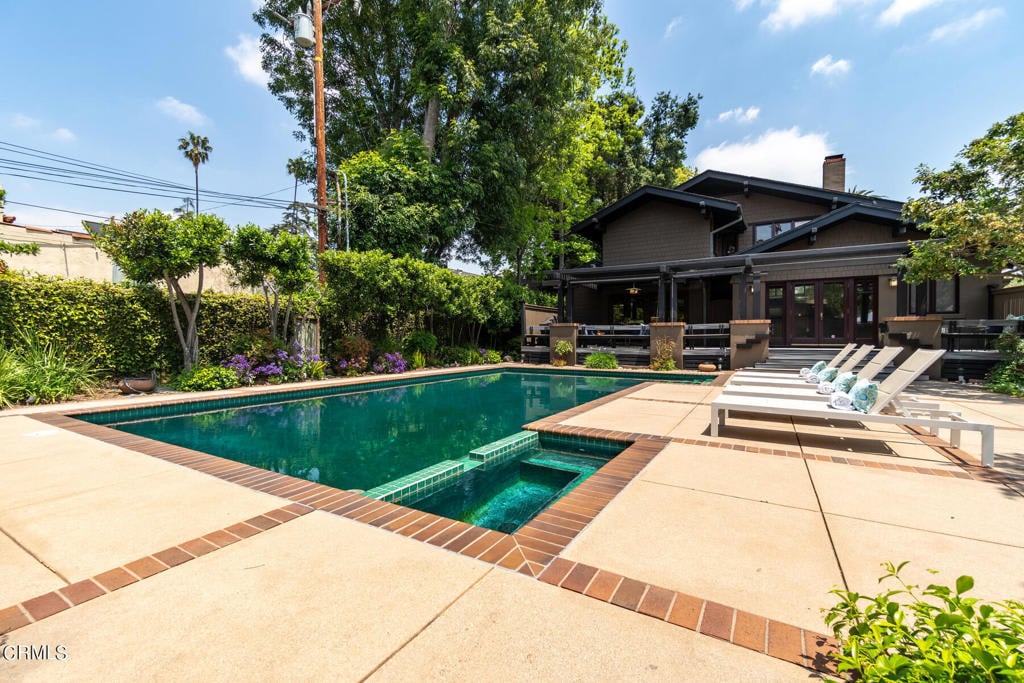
(766, 231)
(933, 296)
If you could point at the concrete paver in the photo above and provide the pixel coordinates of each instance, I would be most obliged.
(320, 597)
(21, 575)
(767, 559)
(509, 628)
(965, 508)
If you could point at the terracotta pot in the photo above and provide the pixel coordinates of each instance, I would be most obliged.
(136, 385)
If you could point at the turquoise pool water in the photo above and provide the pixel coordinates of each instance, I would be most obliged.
(509, 495)
(366, 438)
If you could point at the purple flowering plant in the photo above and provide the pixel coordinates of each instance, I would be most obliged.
(390, 364)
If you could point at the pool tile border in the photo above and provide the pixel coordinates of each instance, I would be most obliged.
(766, 636)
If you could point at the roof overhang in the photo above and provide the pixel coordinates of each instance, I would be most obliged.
(718, 183)
(873, 214)
(722, 211)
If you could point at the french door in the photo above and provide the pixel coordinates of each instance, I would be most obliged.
(823, 312)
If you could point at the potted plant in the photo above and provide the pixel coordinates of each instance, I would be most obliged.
(140, 384)
(563, 349)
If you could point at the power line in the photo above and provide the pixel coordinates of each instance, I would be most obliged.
(107, 176)
(53, 208)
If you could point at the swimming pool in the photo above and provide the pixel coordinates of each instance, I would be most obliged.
(369, 436)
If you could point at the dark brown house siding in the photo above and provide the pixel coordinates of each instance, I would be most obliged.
(849, 233)
(762, 208)
(657, 231)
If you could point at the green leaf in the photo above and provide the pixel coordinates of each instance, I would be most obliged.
(964, 584)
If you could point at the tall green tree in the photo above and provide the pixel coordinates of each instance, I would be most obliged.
(280, 264)
(196, 149)
(152, 246)
(503, 97)
(972, 210)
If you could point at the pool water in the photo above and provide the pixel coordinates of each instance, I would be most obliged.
(506, 497)
(366, 438)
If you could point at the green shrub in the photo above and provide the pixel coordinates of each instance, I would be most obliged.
(12, 379)
(662, 358)
(602, 361)
(563, 349)
(49, 373)
(417, 361)
(125, 329)
(490, 357)
(1008, 376)
(206, 378)
(934, 634)
(462, 355)
(420, 340)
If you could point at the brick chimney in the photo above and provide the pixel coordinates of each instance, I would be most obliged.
(833, 173)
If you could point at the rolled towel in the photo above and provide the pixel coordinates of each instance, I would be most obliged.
(804, 372)
(840, 401)
(812, 378)
(825, 388)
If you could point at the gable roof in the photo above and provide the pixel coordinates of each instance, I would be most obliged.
(717, 183)
(720, 208)
(875, 214)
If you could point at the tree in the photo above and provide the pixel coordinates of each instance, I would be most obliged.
(280, 264)
(503, 97)
(196, 149)
(972, 210)
(150, 246)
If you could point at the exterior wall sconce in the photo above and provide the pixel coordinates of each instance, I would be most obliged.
(633, 291)
(893, 281)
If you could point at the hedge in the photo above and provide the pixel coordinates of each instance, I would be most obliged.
(127, 328)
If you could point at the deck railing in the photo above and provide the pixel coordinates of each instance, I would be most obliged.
(976, 335)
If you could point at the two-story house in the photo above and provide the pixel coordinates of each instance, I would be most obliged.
(819, 262)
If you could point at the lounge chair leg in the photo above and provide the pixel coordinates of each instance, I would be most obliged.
(715, 418)
(988, 446)
(954, 437)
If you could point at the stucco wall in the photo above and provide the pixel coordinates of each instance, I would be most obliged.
(76, 256)
(656, 231)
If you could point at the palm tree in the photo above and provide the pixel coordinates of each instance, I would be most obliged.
(196, 149)
(297, 168)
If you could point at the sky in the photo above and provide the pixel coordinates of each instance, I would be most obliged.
(889, 83)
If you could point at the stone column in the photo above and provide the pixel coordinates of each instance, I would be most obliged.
(748, 342)
(674, 333)
(565, 331)
(914, 332)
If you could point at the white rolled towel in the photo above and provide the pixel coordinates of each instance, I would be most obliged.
(804, 372)
(840, 401)
(825, 388)
(812, 378)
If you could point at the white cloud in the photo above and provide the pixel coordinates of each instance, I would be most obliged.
(62, 135)
(177, 109)
(246, 56)
(828, 67)
(672, 26)
(957, 29)
(740, 115)
(777, 154)
(23, 121)
(901, 9)
(794, 13)
(743, 4)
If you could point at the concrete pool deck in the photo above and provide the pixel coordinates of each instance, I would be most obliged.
(140, 567)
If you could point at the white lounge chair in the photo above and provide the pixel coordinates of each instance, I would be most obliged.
(838, 358)
(908, 412)
(881, 360)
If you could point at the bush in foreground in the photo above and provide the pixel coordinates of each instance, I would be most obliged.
(934, 634)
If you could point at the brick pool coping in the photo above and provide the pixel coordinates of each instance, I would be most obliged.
(534, 550)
